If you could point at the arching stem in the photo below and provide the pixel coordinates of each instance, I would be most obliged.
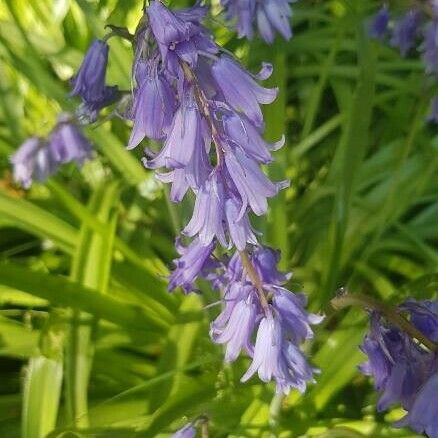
(389, 313)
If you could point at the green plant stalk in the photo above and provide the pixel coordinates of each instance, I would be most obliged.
(43, 381)
(389, 313)
(91, 268)
(41, 396)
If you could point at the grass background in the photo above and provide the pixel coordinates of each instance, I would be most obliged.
(91, 343)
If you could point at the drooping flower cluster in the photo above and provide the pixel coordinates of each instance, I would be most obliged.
(38, 158)
(404, 372)
(269, 16)
(204, 108)
(280, 322)
(412, 30)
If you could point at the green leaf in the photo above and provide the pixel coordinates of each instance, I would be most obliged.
(42, 391)
(35, 220)
(62, 292)
(91, 268)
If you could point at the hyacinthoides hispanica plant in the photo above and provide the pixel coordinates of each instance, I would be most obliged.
(209, 106)
(203, 108)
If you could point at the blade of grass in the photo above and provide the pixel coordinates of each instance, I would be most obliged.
(352, 152)
(65, 293)
(41, 395)
(90, 267)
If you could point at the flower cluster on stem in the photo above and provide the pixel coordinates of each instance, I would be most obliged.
(205, 109)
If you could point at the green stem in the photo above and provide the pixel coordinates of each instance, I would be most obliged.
(274, 413)
(389, 313)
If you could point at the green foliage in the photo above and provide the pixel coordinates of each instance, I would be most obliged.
(83, 258)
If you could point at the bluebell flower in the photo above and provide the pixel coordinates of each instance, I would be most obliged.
(207, 219)
(33, 161)
(398, 365)
(252, 184)
(188, 431)
(433, 115)
(236, 328)
(87, 112)
(193, 260)
(270, 16)
(423, 415)
(241, 132)
(424, 315)
(276, 358)
(430, 48)
(406, 31)
(404, 372)
(154, 106)
(281, 326)
(89, 82)
(378, 26)
(37, 158)
(67, 142)
(179, 34)
(185, 139)
(265, 261)
(239, 226)
(241, 91)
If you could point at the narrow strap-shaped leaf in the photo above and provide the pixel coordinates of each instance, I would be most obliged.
(42, 390)
(35, 220)
(91, 268)
(62, 292)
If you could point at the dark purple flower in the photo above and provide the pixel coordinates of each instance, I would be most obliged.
(424, 315)
(89, 82)
(399, 366)
(241, 91)
(33, 161)
(265, 261)
(378, 27)
(67, 143)
(194, 259)
(188, 431)
(406, 31)
(430, 48)
(88, 111)
(423, 415)
(179, 34)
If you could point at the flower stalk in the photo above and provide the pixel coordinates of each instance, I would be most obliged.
(390, 314)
